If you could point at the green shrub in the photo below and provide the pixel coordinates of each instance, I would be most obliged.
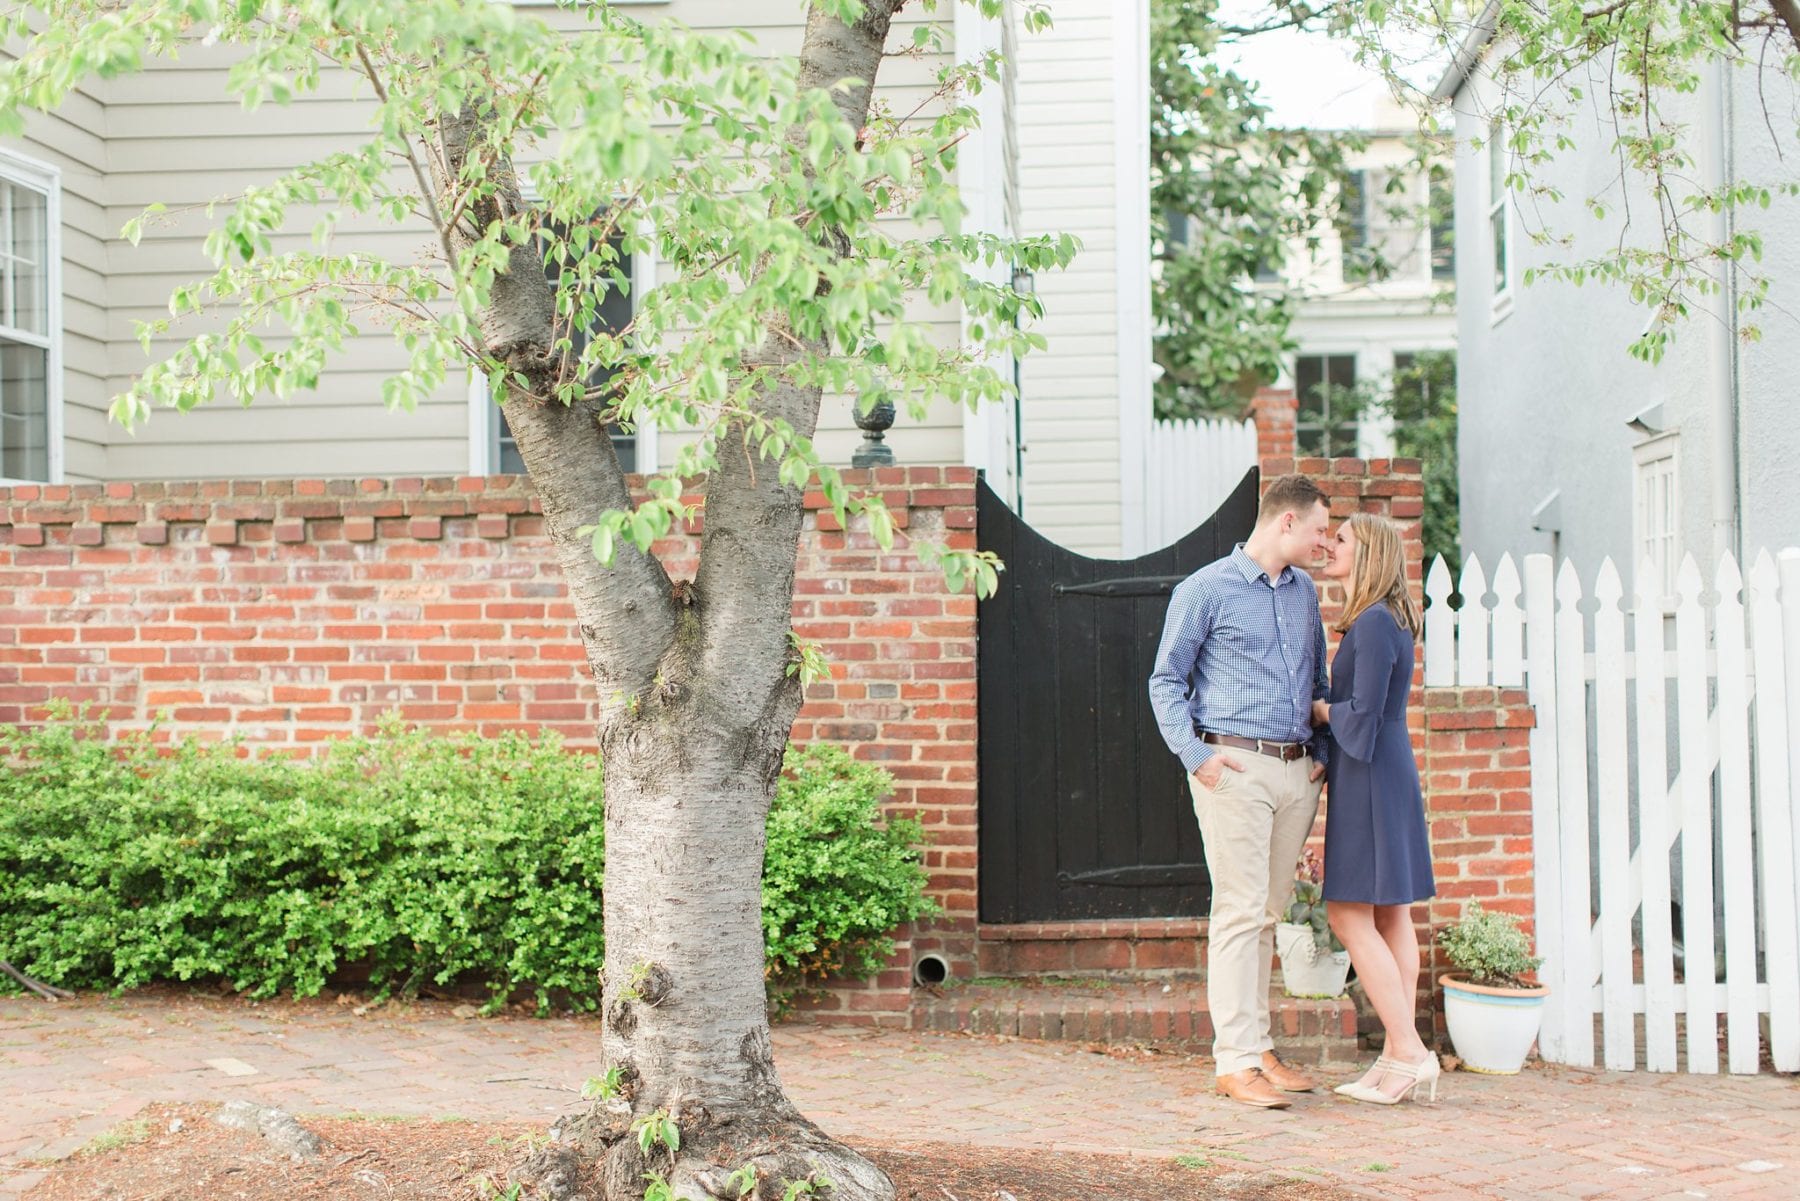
(835, 882)
(1489, 948)
(425, 858)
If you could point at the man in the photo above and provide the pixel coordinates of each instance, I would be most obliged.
(1241, 660)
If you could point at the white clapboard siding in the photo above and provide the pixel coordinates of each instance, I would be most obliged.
(1472, 627)
(1775, 829)
(1610, 693)
(1193, 466)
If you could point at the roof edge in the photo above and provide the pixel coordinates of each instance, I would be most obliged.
(1469, 53)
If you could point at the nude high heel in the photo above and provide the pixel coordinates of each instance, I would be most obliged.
(1426, 1072)
(1382, 1064)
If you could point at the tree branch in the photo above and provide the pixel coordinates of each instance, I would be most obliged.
(47, 991)
(626, 612)
(426, 191)
(745, 581)
(1789, 12)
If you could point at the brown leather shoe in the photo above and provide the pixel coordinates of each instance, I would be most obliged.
(1285, 1078)
(1249, 1087)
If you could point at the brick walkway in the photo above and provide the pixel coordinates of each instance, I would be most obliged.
(70, 1071)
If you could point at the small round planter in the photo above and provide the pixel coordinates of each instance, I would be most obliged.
(1307, 971)
(1492, 1029)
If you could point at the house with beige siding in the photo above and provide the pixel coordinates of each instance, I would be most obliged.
(1063, 148)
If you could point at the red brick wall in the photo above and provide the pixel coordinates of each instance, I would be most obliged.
(1274, 410)
(288, 612)
(1477, 775)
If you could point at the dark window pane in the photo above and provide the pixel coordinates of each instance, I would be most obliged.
(1325, 386)
(1497, 231)
(1353, 216)
(24, 412)
(613, 314)
(1442, 199)
(1177, 238)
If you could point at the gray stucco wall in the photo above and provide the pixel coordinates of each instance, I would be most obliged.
(1546, 389)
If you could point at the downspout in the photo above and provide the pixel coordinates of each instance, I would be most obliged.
(1723, 332)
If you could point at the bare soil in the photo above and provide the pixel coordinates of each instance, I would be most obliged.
(177, 1153)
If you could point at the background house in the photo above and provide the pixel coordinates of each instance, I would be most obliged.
(1063, 148)
(1379, 292)
(1567, 444)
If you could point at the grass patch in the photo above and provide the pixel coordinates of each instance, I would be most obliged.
(125, 1134)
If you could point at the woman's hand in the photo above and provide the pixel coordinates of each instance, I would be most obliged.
(1321, 713)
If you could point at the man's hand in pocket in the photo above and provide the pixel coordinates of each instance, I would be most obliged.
(1209, 773)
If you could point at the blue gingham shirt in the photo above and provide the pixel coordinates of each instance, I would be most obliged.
(1239, 655)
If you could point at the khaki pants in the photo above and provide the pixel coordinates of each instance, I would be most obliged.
(1254, 825)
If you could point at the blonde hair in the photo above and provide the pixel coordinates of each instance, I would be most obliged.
(1379, 576)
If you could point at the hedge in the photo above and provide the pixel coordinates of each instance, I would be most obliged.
(424, 858)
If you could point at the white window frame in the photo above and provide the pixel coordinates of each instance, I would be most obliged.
(1500, 272)
(1657, 461)
(484, 420)
(43, 177)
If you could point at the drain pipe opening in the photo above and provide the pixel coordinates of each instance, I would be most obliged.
(931, 968)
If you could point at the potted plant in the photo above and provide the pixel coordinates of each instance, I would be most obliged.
(1313, 961)
(1491, 1006)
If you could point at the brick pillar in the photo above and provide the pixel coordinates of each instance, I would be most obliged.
(1274, 410)
(1477, 775)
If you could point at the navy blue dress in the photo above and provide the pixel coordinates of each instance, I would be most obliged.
(1377, 850)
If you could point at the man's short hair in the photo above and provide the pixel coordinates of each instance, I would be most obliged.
(1290, 494)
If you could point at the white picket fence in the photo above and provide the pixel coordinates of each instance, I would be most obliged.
(1190, 468)
(1694, 743)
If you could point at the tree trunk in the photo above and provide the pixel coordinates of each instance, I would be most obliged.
(697, 707)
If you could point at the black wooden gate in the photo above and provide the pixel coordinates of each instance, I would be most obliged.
(1084, 812)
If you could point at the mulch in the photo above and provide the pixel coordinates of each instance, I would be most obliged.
(177, 1153)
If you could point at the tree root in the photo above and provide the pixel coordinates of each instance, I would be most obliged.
(47, 991)
(598, 1156)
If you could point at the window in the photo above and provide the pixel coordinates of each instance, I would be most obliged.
(1353, 224)
(1441, 197)
(1421, 378)
(30, 320)
(1326, 425)
(1176, 222)
(1499, 233)
(1656, 513)
(499, 451)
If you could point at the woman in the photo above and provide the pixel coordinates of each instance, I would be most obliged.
(1377, 858)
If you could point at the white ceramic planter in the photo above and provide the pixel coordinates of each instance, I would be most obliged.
(1492, 1029)
(1307, 971)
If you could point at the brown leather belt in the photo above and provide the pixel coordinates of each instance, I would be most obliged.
(1287, 752)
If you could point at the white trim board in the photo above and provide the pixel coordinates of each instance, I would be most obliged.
(1131, 123)
(47, 178)
(987, 429)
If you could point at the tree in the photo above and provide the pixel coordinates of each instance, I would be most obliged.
(787, 204)
(1231, 194)
(1420, 398)
(1631, 74)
